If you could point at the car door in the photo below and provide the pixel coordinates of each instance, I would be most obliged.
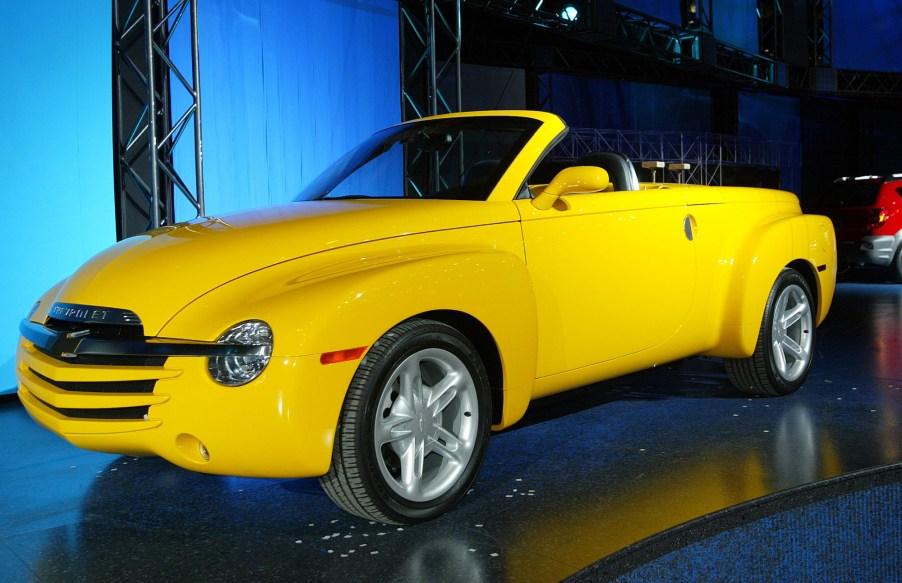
(613, 274)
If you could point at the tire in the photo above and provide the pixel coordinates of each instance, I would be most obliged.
(414, 426)
(785, 347)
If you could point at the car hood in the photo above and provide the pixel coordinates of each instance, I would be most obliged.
(157, 273)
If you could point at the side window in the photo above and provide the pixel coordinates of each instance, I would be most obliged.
(464, 164)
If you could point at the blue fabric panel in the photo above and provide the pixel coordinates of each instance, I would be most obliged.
(584, 102)
(866, 35)
(667, 10)
(769, 117)
(288, 87)
(736, 23)
(56, 147)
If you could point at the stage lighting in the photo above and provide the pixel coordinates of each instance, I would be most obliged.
(569, 13)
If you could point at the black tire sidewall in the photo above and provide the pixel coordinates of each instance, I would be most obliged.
(426, 334)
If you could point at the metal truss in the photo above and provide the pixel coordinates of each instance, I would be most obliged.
(770, 28)
(636, 32)
(847, 82)
(545, 13)
(687, 47)
(430, 57)
(868, 82)
(820, 32)
(147, 125)
(657, 37)
(707, 154)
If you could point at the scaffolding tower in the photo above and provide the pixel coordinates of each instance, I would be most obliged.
(707, 154)
(430, 57)
(154, 105)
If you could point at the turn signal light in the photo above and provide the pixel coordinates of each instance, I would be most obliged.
(342, 355)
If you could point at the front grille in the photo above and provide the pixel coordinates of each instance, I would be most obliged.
(145, 386)
(108, 360)
(111, 413)
(105, 330)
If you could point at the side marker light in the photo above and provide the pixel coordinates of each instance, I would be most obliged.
(342, 355)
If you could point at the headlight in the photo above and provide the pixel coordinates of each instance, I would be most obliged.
(234, 371)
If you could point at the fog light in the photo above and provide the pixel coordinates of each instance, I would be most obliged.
(192, 449)
(241, 369)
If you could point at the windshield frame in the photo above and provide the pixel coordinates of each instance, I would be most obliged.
(380, 142)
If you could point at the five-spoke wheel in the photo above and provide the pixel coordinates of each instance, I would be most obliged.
(414, 426)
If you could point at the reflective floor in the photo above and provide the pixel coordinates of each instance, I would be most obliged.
(586, 474)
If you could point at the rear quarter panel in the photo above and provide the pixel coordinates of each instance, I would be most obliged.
(743, 244)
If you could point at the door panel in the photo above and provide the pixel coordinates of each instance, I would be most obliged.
(614, 274)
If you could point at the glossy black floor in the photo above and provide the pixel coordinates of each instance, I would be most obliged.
(583, 476)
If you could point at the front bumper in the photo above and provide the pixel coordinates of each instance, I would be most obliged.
(870, 250)
(280, 425)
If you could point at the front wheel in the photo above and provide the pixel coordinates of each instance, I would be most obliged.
(785, 348)
(414, 426)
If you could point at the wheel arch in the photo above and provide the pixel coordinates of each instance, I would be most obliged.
(486, 346)
(801, 242)
(809, 274)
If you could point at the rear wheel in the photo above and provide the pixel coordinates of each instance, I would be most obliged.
(785, 348)
(414, 426)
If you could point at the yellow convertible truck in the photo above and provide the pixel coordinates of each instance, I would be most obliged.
(418, 294)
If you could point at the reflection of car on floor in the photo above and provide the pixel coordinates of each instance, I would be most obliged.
(867, 214)
(417, 294)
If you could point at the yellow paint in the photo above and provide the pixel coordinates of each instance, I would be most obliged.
(592, 286)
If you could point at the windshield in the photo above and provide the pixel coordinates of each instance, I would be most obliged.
(453, 158)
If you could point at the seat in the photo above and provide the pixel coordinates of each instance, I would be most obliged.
(620, 170)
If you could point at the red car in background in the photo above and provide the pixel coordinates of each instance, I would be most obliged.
(867, 214)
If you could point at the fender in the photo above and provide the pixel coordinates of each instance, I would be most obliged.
(369, 288)
(804, 242)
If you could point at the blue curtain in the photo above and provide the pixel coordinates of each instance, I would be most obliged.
(585, 102)
(666, 10)
(56, 147)
(866, 35)
(287, 87)
(769, 117)
(736, 23)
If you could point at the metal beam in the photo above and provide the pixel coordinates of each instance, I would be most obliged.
(430, 57)
(147, 128)
(708, 155)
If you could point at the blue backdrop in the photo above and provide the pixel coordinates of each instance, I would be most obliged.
(585, 102)
(866, 35)
(56, 147)
(286, 87)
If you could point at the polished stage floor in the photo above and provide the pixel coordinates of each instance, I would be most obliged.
(585, 475)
